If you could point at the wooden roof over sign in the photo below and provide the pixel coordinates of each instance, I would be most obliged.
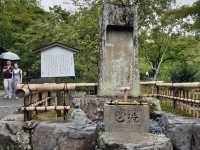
(54, 44)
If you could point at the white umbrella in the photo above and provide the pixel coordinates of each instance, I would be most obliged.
(9, 56)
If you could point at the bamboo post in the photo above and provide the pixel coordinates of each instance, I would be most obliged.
(168, 93)
(39, 99)
(181, 105)
(179, 93)
(197, 113)
(189, 95)
(174, 91)
(49, 100)
(67, 98)
(196, 98)
(95, 90)
(27, 114)
(46, 101)
(152, 90)
(186, 103)
(67, 102)
(182, 94)
(157, 91)
(60, 102)
(56, 104)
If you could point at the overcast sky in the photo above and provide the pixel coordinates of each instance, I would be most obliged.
(185, 2)
(67, 4)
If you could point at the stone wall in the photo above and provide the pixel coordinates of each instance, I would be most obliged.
(184, 132)
(93, 106)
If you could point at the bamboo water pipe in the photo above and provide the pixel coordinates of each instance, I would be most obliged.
(125, 90)
(25, 89)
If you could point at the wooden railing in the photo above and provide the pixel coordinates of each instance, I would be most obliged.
(183, 97)
(49, 97)
(180, 97)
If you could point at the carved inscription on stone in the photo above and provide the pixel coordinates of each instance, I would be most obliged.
(122, 115)
(126, 118)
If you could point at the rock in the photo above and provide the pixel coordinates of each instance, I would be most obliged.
(13, 117)
(184, 132)
(154, 103)
(79, 118)
(195, 137)
(137, 141)
(93, 106)
(77, 134)
(12, 134)
(155, 127)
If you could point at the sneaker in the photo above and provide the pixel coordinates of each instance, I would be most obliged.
(16, 97)
(9, 97)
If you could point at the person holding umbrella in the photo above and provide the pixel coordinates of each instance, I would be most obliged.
(8, 72)
(7, 81)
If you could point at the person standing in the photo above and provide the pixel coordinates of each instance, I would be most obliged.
(17, 78)
(7, 82)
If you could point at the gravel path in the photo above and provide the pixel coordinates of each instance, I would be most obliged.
(9, 106)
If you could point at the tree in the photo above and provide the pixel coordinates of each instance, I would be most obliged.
(149, 10)
(24, 26)
(187, 11)
(160, 49)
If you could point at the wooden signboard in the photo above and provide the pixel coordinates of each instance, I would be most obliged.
(57, 60)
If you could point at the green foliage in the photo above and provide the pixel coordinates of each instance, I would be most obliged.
(184, 73)
(185, 11)
(24, 26)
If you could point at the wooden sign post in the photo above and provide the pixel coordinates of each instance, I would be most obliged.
(57, 60)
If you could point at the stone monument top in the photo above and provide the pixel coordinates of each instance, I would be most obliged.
(119, 51)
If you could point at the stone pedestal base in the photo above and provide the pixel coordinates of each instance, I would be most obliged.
(126, 118)
(135, 141)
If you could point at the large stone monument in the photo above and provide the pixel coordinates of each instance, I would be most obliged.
(126, 119)
(119, 51)
(119, 73)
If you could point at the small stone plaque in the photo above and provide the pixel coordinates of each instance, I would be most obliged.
(126, 118)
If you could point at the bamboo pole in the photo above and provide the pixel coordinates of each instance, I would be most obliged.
(43, 108)
(25, 89)
(40, 102)
(191, 85)
(150, 82)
